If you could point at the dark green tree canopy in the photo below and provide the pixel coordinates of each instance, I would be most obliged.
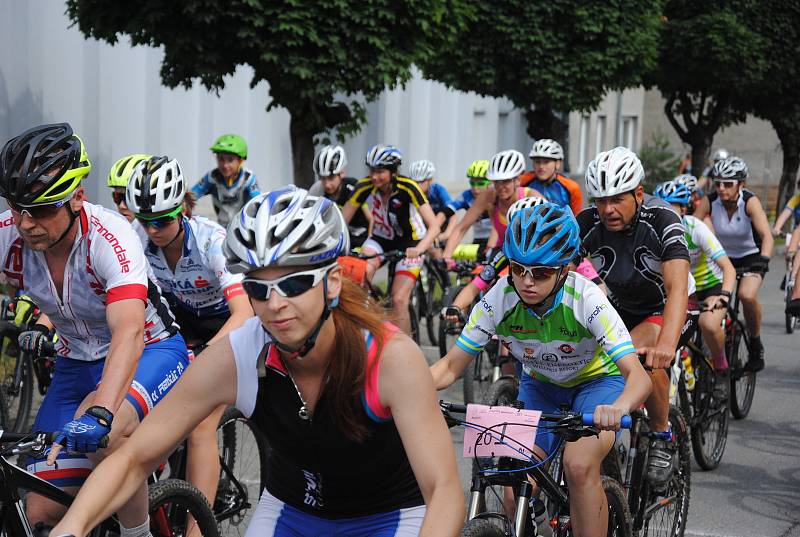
(311, 53)
(561, 56)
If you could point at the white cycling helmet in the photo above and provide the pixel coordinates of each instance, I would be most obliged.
(720, 154)
(507, 164)
(688, 180)
(330, 161)
(156, 185)
(421, 170)
(729, 168)
(384, 157)
(547, 148)
(286, 227)
(524, 203)
(613, 172)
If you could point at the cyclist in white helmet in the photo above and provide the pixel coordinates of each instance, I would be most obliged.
(189, 267)
(424, 173)
(547, 156)
(329, 167)
(504, 171)
(402, 220)
(636, 242)
(346, 401)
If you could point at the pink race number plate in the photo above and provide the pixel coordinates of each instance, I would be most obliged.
(499, 431)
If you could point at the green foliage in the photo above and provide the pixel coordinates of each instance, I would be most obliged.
(322, 60)
(562, 55)
(660, 162)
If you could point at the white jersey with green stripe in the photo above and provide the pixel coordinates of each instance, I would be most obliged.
(704, 250)
(578, 340)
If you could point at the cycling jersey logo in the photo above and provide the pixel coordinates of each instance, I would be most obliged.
(529, 350)
(78, 427)
(596, 312)
(113, 241)
(549, 357)
(566, 349)
(566, 332)
(200, 282)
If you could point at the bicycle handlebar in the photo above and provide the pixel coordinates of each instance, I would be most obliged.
(562, 418)
(391, 254)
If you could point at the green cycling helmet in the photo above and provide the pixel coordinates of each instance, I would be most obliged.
(122, 169)
(478, 169)
(230, 143)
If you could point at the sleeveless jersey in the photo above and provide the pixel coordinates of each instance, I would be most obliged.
(106, 264)
(578, 340)
(313, 466)
(201, 282)
(227, 199)
(499, 217)
(704, 250)
(630, 261)
(736, 234)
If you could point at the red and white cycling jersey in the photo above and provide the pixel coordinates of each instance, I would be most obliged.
(106, 264)
(201, 282)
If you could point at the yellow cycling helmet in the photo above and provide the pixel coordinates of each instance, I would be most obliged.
(478, 169)
(51, 155)
(122, 169)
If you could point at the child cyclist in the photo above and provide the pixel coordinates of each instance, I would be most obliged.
(572, 344)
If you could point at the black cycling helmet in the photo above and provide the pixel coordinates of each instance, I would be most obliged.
(48, 154)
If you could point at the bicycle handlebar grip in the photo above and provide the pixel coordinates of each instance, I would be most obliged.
(625, 422)
(48, 349)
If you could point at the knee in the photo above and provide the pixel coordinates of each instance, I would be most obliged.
(203, 435)
(581, 472)
(708, 324)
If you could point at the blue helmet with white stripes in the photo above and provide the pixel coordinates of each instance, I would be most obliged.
(546, 234)
(673, 192)
(285, 227)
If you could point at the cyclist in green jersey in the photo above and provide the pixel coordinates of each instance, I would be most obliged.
(573, 346)
(713, 272)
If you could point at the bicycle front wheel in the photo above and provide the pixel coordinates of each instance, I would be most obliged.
(175, 506)
(487, 527)
(743, 383)
(709, 422)
(448, 333)
(243, 457)
(18, 393)
(619, 516)
(434, 299)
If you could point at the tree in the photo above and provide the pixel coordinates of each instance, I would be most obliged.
(777, 99)
(709, 55)
(322, 60)
(658, 160)
(551, 56)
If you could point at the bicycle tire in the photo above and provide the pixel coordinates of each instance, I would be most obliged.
(789, 317)
(669, 518)
(3, 411)
(619, 515)
(709, 418)
(447, 337)
(434, 296)
(503, 392)
(486, 527)
(477, 378)
(170, 503)
(743, 383)
(242, 446)
(18, 406)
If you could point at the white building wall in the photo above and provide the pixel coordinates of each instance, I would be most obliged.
(113, 98)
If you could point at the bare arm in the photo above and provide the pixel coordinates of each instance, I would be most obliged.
(126, 322)
(450, 367)
(637, 388)
(348, 211)
(407, 389)
(728, 273)
(676, 282)
(782, 218)
(760, 223)
(482, 203)
(241, 310)
(207, 383)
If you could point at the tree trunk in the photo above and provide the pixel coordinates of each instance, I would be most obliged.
(302, 140)
(791, 163)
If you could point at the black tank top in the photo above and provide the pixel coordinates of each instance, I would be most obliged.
(313, 466)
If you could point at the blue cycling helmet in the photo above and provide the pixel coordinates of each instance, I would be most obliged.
(384, 156)
(674, 192)
(546, 234)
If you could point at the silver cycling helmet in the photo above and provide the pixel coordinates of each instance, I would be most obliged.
(384, 156)
(331, 160)
(729, 168)
(156, 185)
(524, 203)
(547, 148)
(613, 172)
(507, 164)
(286, 227)
(421, 170)
(720, 154)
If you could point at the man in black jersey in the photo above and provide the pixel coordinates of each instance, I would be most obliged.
(636, 242)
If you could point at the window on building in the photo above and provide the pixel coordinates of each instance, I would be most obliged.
(629, 131)
(600, 136)
(583, 146)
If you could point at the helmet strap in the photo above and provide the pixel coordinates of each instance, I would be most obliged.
(311, 340)
(628, 230)
(73, 216)
(178, 234)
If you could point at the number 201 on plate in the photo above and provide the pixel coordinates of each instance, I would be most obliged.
(499, 431)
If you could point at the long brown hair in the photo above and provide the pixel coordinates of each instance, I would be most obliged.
(347, 371)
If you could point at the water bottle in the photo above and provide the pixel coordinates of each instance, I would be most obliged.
(688, 370)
